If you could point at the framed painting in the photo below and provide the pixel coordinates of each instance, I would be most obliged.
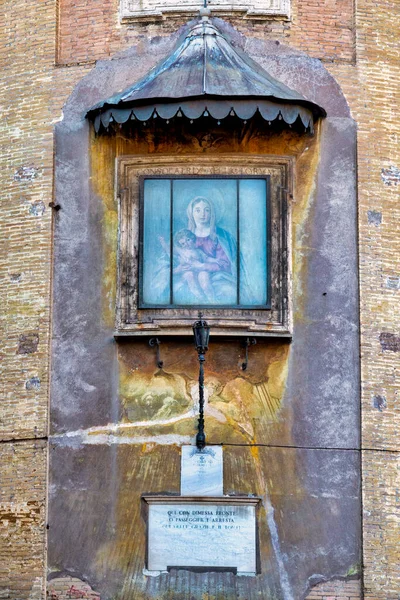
(204, 233)
(204, 242)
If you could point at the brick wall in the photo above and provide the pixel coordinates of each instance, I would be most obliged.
(27, 57)
(31, 98)
(335, 590)
(378, 29)
(22, 519)
(65, 588)
(89, 30)
(28, 45)
(372, 90)
(381, 501)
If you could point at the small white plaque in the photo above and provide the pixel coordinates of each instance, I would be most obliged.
(202, 471)
(202, 534)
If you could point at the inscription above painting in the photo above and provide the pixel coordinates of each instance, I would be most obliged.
(132, 10)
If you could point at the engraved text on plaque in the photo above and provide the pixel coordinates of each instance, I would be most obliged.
(202, 532)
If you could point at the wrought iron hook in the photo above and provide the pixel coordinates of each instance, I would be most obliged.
(156, 342)
(246, 344)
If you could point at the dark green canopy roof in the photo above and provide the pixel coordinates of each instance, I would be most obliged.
(206, 74)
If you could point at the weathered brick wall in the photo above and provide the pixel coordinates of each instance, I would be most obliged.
(65, 588)
(89, 29)
(336, 590)
(378, 30)
(379, 218)
(26, 138)
(30, 103)
(22, 519)
(27, 57)
(381, 501)
(372, 89)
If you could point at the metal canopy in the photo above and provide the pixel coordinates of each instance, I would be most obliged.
(206, 75)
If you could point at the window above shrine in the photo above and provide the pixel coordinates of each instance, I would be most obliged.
(136, 10)
(204, 242)
(198, 233)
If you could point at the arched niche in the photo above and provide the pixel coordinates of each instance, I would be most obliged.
(313, 381)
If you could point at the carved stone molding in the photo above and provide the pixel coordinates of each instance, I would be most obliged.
(136, 10)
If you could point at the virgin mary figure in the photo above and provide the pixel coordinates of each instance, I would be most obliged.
(204, 262)
(216, 271)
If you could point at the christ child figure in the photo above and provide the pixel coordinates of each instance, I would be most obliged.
(194, 265)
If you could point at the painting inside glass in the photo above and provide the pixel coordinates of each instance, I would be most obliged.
(204, 242)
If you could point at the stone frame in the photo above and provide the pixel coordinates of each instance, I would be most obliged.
(132, 320)
(132, 11)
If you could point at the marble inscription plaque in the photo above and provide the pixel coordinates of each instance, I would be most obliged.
(205, 534)
(201, 471)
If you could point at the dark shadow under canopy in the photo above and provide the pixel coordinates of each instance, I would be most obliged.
(206, 75)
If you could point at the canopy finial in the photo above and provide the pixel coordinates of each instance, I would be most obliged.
(205, 12)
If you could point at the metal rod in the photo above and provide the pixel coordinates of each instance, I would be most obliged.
(201, 332)
(249, 342)
(156, 342)
(171, 241)
(201, 436)
(238, 242)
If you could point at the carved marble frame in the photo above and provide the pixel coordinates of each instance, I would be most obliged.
(273, 322)
(153, 500)
(156, 11)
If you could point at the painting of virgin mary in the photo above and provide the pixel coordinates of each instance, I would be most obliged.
(192, 256)
(207, 273)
